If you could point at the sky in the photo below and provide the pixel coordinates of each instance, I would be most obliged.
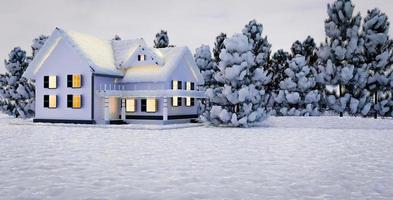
(188, 22)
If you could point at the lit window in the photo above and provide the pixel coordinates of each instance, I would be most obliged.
(176, 85)
(74, 101)
(74, 81)
(50, 82)
(141, 57)
(130, 105)
(151, 105)
(50, 101)
(176, 101)
(190, 101)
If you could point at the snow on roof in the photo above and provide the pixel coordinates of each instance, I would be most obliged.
(124, 49)
(99, 52)
(158, 73)
(107, 56)
(42, 55)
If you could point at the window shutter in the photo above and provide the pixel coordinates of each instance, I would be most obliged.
(143, 105)
(46, 81)
(69, 101)
(69, 81)
(46, 101)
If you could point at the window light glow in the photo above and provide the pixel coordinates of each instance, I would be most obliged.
(76, 81)
(76, 101)
(130, 105)
(52, 82)
(52, 101)
(151, 105)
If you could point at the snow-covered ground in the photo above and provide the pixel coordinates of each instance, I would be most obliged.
(284, 158)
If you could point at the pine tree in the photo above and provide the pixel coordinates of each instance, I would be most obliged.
(37, 44)
(379, 59)
(298, 94)
(340, 60)
(261, 50)
(17, 92)
(204, 61)
(117, 37)
(161, 40)
(279, 63)
(218, 46)
(236, 101)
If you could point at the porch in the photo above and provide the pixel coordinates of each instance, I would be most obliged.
(109, 92)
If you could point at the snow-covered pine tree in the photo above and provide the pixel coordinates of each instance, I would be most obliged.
(340, 59)
(279, 62)
(261, 50)
(204, 61)
(161, 40)
(298, 94)
(379, 58)
(236, 101)
(117, 37)
(218, 45)
(37, 44)
(17, 92)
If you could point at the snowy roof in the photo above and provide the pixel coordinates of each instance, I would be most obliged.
(108, 56)
(158, 73)
(124, 49)
(98, 52)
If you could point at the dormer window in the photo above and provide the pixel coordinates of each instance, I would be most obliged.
(141, 57)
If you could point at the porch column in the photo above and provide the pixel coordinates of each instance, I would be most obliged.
(165, 110)
(123, 109)
(106, 110)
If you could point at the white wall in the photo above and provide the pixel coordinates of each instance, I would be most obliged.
(64, 60)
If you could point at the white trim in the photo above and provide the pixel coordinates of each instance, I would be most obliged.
(150, 93)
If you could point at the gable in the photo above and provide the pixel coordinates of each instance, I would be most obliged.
(150, 58)
(63, 60)
(178, 64)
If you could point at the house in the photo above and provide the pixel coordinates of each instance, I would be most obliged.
(83, 79)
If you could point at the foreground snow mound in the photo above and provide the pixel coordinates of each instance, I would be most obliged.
(285, 158)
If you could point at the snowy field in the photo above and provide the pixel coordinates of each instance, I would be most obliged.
(284, 158)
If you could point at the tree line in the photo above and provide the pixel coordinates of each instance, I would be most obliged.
(349, 73)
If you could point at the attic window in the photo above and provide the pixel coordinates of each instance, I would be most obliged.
(141, 57)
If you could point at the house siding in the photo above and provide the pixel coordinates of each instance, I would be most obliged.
(64, 60)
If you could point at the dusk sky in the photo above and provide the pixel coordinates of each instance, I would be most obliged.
(188, 22)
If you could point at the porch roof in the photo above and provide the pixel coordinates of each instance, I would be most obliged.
(151, 93)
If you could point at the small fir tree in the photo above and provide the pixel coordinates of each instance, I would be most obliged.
(161, 40)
